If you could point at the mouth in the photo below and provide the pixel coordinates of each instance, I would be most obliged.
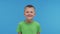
(29, 15)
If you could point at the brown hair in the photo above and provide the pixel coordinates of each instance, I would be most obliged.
(30, 6)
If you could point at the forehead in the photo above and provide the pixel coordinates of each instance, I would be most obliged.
(29, 9)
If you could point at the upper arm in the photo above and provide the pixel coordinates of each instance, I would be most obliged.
(38, 28)
(19, 32)
(19, 28)
(38, 33)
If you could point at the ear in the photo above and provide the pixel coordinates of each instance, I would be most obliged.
(24, 14)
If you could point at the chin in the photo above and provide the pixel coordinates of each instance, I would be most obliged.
(29, 18)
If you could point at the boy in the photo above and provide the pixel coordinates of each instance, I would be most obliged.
(29, 26)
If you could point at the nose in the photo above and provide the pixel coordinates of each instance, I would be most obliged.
(29, 13)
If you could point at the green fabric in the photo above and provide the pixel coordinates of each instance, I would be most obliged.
(29, 28)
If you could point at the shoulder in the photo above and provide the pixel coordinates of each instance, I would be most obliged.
(21, 22)
(37, 23)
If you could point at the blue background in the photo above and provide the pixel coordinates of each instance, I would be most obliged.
(47, 13)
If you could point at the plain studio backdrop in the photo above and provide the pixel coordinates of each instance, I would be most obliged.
(47, 14)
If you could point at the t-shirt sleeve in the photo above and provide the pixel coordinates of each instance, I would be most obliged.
(38, 28)
(19, 28)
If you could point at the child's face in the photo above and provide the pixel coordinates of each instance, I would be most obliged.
(29, 13)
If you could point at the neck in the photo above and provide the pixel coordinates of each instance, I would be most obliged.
(28, 21)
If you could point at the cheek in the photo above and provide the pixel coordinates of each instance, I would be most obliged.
(25, 14)
(33, 14)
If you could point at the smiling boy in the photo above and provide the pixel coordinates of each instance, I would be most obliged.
(29, 26)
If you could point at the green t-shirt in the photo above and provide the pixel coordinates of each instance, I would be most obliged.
(29, 28)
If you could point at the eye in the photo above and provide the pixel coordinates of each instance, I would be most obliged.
(31, 12)
(27, 12)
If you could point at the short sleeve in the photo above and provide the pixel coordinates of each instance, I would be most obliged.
(19, 28)
(38, 28)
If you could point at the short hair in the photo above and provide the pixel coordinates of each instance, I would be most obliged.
(30, 6)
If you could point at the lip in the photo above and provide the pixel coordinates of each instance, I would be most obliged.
(29, 15)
